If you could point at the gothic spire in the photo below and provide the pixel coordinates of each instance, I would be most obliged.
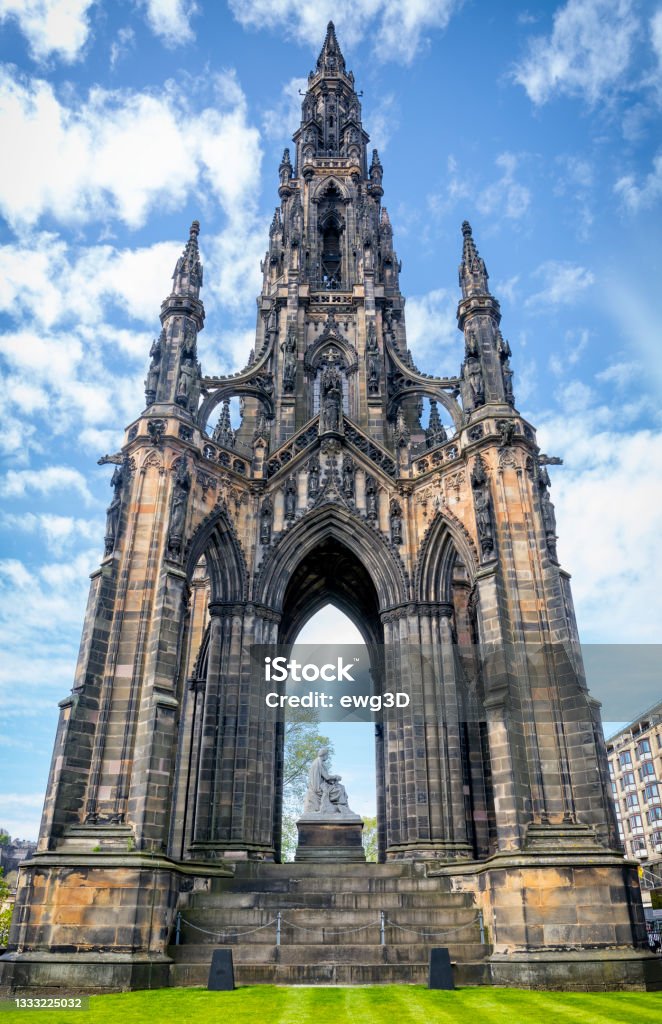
(473, 273)
(330, 58)
(224, 433)
(187, 276)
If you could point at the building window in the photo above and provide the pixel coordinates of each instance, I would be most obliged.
(638, 846)
(644, 749)
(627, 781)
(625, 759)
(652, 793)
(611, 768)
(613, 788)
(632, 800)
(647, 771)
(654, 815)
(656, 838)
(636, 825)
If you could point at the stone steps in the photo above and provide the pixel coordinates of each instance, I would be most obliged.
(327, 900)
(330, 926)
(330, 974)
(304, 953)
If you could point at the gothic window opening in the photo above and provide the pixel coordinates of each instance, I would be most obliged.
(331, 256)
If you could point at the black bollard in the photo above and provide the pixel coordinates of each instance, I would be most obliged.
(441, 972)
(221, 972)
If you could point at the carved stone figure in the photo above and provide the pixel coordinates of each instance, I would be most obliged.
(330, 399)
(189, 343)
(325, 794)
(290, 499)
(114, 510)
(266, 522)
(371, 510)
(185, 384)
(483, 508)
(474, 377)
(348, 477)
(178, 504)
(507, 431)
(290, 362)
(396, 521)
(547, 510)
(313, 478)
(152, 379)
(372, 357)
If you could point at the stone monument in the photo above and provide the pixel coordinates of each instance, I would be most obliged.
(328, 829)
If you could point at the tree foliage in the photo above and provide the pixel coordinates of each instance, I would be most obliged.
(302, 742)
(369, 838)
(5, 909)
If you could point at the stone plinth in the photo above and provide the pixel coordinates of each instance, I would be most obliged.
(330, 837)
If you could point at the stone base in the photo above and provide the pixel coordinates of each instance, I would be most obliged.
(82, 973)
(330, 839)
(586, 970)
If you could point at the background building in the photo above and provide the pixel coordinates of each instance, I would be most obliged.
(635, 770)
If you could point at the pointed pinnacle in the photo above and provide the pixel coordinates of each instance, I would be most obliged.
(330, 58)
(473, 272)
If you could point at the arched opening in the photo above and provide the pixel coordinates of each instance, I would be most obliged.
(331, 255)
(331, 605)
(352, 743)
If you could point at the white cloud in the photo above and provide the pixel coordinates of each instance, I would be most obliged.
(59, 27)
(587, 53)
(641, 196)
(507, 289)
(398, 27)
(46, 279)
(432, 333)
(382, 120)
(121, 45)
(58, 532)
(120, 153)
(21, 812)
(505, 197)
(563, 283)
(170, 20)
(283, 119)
(615, 590)
(18, 482)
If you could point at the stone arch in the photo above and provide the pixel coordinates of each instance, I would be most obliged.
(315, 352)
(443, 542)
(233, 390)
(427, 391)
(347, 529)
(322, 188)
(215, 538)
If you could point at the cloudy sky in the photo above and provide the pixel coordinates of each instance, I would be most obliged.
(121, 122)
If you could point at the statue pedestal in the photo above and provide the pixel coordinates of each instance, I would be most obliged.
(330, 837)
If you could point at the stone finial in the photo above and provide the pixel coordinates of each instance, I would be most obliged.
(330, 58)
(473, 272)
(187, 276)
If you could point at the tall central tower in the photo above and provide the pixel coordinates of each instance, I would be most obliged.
(417, 504)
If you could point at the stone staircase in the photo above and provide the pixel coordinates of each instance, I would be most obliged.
(331, 924)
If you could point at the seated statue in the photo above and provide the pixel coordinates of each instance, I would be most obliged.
(325, 794)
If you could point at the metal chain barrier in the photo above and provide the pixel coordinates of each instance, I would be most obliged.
(338, 931)
(219, 935)
(446, 931)
(382, 922)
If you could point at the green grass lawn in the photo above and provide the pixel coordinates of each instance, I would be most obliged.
(389, 1004)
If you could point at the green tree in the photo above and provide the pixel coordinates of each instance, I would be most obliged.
(302, 742)
(5, 909)
(369, 838)
(5, 838)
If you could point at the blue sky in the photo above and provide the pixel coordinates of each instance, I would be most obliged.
(123, 121)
